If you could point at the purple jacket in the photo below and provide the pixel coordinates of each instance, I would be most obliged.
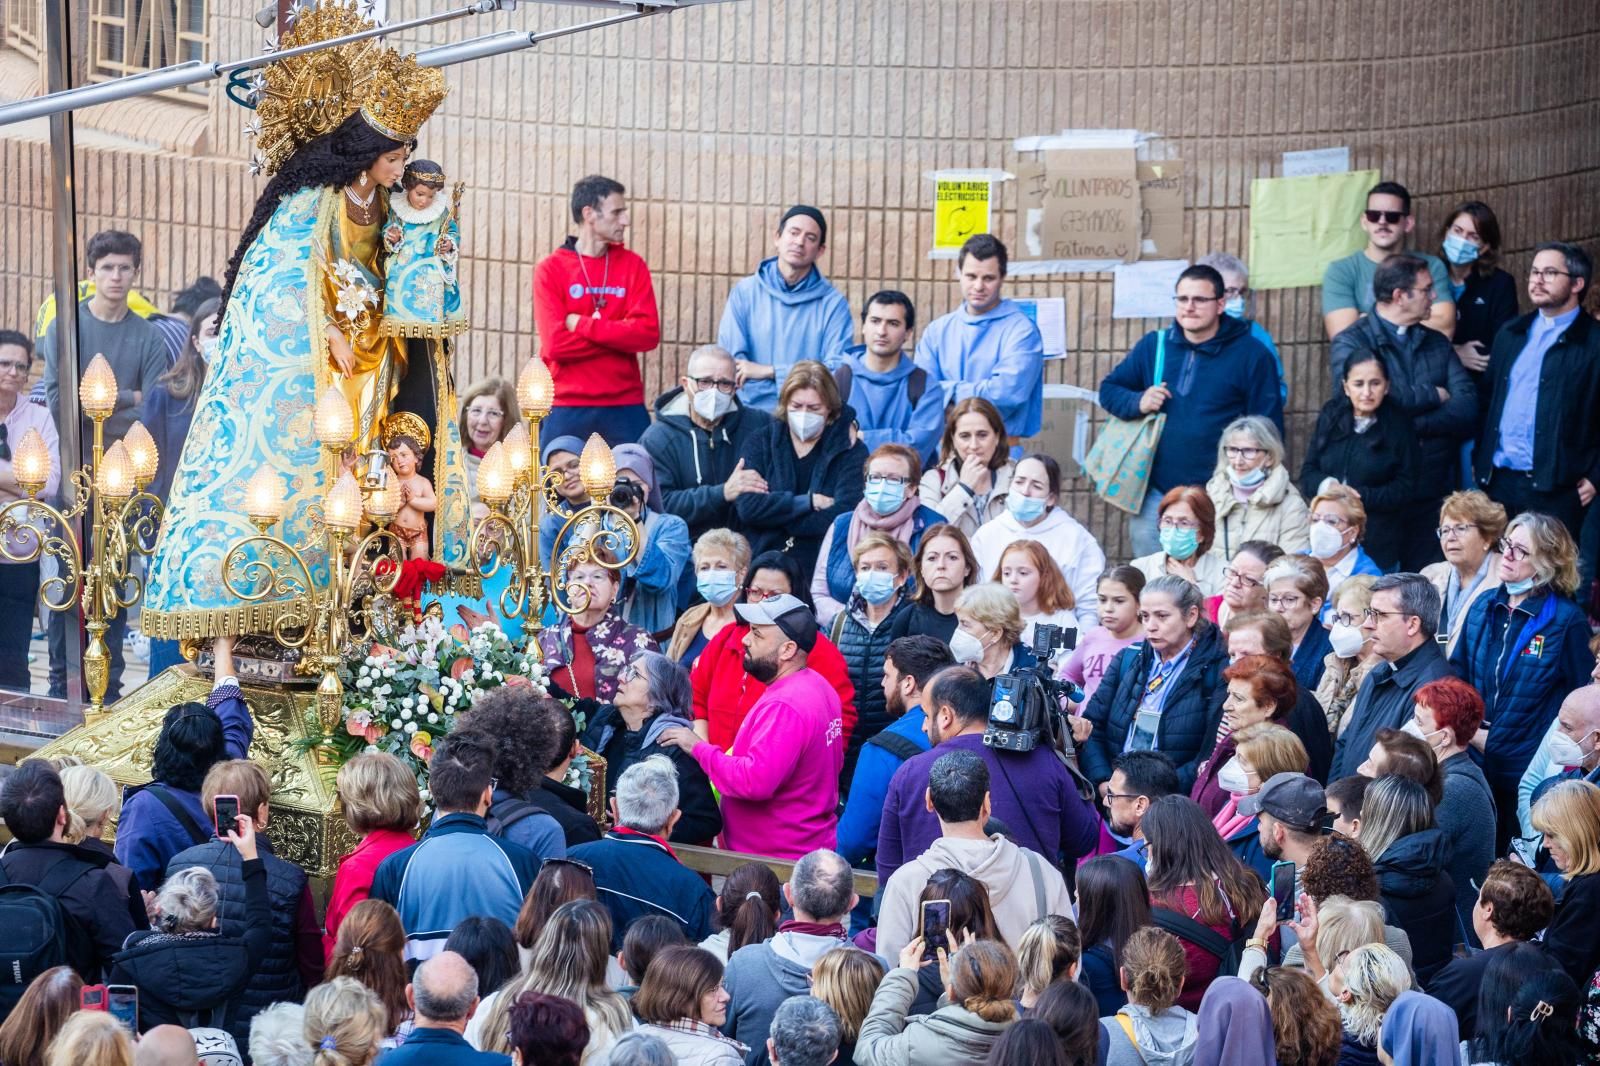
(1053, 820)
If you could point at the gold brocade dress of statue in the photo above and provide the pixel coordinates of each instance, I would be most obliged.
(309, 269)
(380, 360)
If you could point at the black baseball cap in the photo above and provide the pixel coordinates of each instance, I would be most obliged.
(786, 612)
(1293, 799)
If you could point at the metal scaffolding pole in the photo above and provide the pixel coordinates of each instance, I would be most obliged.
(178, 75)
(64, 207)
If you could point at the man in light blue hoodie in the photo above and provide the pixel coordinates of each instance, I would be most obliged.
(988, 347)
(885, 386)
(785, 312)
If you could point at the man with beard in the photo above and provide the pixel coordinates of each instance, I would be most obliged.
(1138, 779)
(780, 782)
(1290, 811)
(1032, 795)
(909, 665)
(1347, 291)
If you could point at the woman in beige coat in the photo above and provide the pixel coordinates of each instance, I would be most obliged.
(1470, 527)
(1251, 489)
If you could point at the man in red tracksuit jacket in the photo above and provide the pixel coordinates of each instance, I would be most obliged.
(595, 308)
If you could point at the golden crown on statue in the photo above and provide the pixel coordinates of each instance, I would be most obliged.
(304, 97)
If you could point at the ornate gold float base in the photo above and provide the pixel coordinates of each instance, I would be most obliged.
(307, 826)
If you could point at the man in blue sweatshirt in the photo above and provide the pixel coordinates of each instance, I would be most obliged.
(1214, 371)
(885, 386)
(909, 664)
(988, 347)
(785, 312)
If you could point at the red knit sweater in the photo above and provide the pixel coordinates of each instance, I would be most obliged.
(724, 693)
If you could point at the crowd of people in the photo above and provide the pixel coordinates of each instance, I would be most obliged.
(1322, 784)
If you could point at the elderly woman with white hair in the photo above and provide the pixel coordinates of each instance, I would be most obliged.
(277, 1036)
(989, 631)
(720, 564)
(653, 695)
(1253, 493)
(189, 971)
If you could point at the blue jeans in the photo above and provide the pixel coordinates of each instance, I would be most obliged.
(1143, 533)
(616, 425)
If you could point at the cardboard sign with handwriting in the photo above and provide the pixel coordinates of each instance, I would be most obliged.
(1091, 207)
(1161, 202)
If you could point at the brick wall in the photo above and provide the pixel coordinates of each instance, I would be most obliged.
(717, 118)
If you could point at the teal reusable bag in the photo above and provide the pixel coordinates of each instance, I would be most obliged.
(1119, 462)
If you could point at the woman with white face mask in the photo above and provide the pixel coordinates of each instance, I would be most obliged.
(890, 505)
(813, 462)
(1033, 512)
(1351, 657)
(1252, 492)
(1338, 525)
(1447, 715)
(1260, 689)
(989, 631)
(1261, 751)
(1524, 646)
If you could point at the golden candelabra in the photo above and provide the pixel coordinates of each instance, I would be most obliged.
(519, 491)
(358, 596)
(123, 521)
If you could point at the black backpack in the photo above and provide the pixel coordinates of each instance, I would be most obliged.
(40, 934)
(916, 383)
(1228, 951)
(507, 813)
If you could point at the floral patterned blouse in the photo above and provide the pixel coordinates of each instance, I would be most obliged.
(613, 643)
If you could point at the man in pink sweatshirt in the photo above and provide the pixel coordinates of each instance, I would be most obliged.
(780, 781)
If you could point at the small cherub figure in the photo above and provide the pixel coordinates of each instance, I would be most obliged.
(405, 437)
(422, 296)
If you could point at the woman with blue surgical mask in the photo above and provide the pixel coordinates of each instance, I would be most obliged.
(721, 559)
(1252, 492)
(890, 504)
(1485, 296)
(1186, 524)
(881, 588)
(1032, 513)
(1524, 646)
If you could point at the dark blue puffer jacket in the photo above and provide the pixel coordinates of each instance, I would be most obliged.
(1524, 660)
(1189, 714)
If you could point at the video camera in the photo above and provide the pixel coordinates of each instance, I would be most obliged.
(1025, 706)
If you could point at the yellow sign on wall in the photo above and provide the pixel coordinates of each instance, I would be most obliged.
(960, 210)
(1300, 225)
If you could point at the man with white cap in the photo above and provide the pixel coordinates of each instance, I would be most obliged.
(780, 781)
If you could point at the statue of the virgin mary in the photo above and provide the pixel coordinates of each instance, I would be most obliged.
(302, 313)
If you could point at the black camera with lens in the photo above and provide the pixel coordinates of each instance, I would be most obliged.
(1025, 706)
(627, 494)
